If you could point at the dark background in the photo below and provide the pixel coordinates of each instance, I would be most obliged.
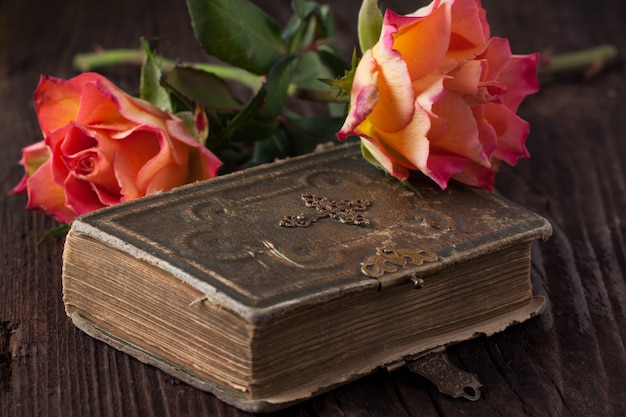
(570, 361)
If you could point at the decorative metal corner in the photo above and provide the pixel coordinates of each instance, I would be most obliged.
(345, 211)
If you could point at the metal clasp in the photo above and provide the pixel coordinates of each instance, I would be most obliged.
(437, 368)
(393, 267)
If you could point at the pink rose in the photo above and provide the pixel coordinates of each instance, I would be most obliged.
(437, 94)
(102, 147)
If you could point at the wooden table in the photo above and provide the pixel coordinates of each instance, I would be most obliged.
(570, 361)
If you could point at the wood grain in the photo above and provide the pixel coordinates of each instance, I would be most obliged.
(570, 361)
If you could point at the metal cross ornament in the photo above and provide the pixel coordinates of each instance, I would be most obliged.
(345, 211)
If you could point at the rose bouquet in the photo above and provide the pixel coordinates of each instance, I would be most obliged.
(432, 92)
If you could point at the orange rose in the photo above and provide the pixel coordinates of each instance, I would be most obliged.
(102, 147)
(436, 94)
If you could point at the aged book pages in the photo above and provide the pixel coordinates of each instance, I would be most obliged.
(273, 284)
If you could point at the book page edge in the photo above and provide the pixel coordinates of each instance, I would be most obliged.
(485, 328)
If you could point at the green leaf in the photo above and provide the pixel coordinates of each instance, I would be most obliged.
(370, 23)
(278, 80)
(55, 233)
(237, 32)
(301, 27)
(311, 31)
(255, 130)
(309, 70)
(343, 85)
(268, 150)
(150, 88)
(326, 28)
(294, 25)
(306, 133)
(201, 87)
(310, 34)
(234, 158)
(333, 61)
(258, 119)
(367, 155)
(243, 118)
(296, 136)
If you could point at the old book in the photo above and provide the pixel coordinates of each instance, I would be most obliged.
(277, 283)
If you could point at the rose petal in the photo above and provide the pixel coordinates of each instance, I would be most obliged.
(179, 135)
(408, 147)
(432, 30)
(204, 167)
(517, 72)
(98, 110)
(81, 196)
(466, 79)
(460, 130)
(77, 138)
(33, 157)
(57, 101)
(21, 187)
(91, 166)
(394, 108)
(139, 147)
(166, 178)
(48, 197)
(200, 169)
(520, 75)
(176, 153)
(486, 134)
(497, 55)
(512, 132)
(363, 97)
(54, 141)
(387, 163)
(442, 165)
(477, 175)
(469, 25)
(133, 109)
